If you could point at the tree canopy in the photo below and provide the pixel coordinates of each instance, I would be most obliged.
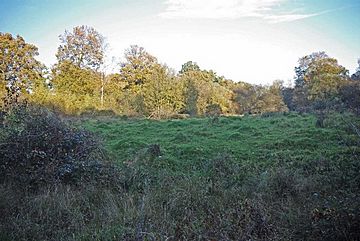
(143, 86)
(19, 69)
(84, 47)
(137, 68)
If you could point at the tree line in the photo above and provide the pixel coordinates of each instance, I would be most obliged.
(142, 86)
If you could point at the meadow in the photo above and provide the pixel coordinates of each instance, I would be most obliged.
(276, 176)
(255, 142)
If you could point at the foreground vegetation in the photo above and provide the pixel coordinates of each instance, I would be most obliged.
(265, 177)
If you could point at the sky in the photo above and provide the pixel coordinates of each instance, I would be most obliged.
(256, 41)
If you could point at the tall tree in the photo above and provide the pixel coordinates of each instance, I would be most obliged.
(304, 64)
(350, 96)
(255, 99)
(202, 88)
(3, 94)
(114, 92)
(318, 78)
(19, 68)
(287, 93)
(75, 89)
(161, 96)
(137, 68)
(324, 78)
(84, 47)
(76, 75)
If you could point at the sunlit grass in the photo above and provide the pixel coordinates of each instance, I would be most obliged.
(251, 140)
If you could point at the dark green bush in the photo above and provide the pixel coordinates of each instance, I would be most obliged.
(37, 148)
(350, 95)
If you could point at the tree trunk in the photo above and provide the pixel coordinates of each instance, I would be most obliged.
(102, 90)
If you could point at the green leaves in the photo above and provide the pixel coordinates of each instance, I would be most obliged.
(18, 67)
(318, 78)
(138, 67)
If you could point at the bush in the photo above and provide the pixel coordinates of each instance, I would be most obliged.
(38, 148)
(213, 110)
(350, 95)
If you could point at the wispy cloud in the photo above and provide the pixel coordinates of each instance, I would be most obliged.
(230, 9)
(288, 17)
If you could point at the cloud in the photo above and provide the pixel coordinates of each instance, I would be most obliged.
(288, 17)
(230, 9)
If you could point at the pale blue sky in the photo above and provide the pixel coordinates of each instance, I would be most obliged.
(256, 41)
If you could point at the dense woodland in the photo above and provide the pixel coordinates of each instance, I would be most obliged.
(142, 86)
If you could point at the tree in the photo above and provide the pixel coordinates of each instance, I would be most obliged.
(350, 92)
(105, 81)
(76, 78)
(41, 90)
(350, 96)
(69, 78)
(288, 97)
(161, 96)
(191, 95)
(189, 66)
(245, 97)
(324, 78)
(2, 94)
(304, 64)
(138, 67)
(18, 67)
(75, 89)
(318, 79)
(272, 98)
(256, 99)
(201, 89)
(84, 47)
(114, 92)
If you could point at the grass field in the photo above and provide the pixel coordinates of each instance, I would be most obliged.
(253, 141)
(270, 177)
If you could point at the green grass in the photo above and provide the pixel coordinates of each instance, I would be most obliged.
(255, 141)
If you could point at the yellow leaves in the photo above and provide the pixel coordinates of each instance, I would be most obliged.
(69, 78)
(18, 67)
(324, 77)
(138, 68)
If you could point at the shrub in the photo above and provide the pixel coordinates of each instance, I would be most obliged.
(38, 148)
(350, 95)
(213, 110)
